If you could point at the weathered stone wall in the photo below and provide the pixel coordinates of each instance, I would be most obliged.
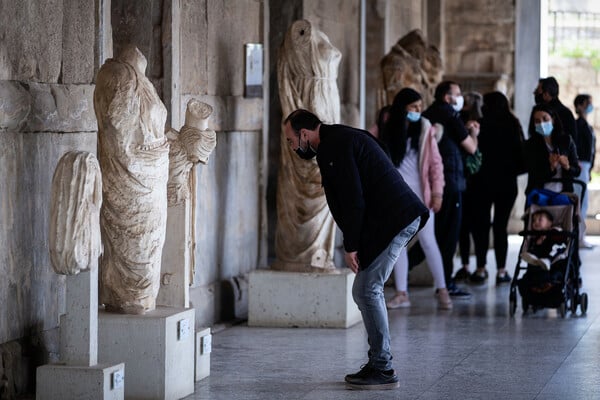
(229, 189)
(387, 21)
(47, 61)
(479, 41)
(46, 71)
(340, 21)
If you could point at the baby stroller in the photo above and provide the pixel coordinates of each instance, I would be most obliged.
(552, 282)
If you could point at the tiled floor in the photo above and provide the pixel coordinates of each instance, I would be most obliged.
(475, 351)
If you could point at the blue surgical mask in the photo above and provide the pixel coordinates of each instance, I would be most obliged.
(589, 109)
(545, 128)
(413, 116)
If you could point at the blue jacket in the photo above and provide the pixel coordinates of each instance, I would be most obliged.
(367, 196)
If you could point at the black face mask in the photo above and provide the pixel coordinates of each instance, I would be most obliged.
(307, 154)
(539, 98)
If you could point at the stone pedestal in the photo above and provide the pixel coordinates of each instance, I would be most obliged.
(203, 350)
(157, 348)
(310, 300)
(67, 382)
(79, 326)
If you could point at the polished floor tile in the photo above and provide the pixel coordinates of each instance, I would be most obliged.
(475, 351)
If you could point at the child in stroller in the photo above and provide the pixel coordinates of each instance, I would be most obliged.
(550, 250)
(547, 248)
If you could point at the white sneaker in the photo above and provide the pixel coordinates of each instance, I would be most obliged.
(584, 244)
(400, 300)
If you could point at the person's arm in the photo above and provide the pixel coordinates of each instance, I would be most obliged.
(468, 131)
(569, 161)
(469, 144)
(436, 171)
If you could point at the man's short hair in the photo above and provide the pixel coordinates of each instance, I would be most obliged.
(442, 89)
(581, 99)
(550, 86)
(302, 119)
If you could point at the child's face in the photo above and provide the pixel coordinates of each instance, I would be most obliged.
(541, 222)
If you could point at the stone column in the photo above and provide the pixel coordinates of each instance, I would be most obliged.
(178, 248)
(79, 326)
(528, 54)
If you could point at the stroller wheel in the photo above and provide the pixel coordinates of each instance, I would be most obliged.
(583, 303)
(512, 303)
(573, 303)
(512, 307)
(562, 309)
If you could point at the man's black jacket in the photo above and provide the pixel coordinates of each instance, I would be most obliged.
(367, 196)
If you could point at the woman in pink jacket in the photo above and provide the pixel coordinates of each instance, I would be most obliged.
(412, 144)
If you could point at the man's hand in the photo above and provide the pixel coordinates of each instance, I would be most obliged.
(352, 260)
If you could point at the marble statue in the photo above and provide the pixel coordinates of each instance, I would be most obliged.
(144, 169)
(412, 63)
(306, 71)
(74, 240)
(192, 145)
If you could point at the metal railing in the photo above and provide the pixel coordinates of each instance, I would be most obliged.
(571, 28)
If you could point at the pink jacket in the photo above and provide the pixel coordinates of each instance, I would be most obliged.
(431, 168)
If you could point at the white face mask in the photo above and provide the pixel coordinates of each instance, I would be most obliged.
(460, 102)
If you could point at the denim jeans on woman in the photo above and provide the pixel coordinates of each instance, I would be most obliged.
(367, 292)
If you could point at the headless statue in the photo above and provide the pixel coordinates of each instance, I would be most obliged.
(306, 71)
(139, 179)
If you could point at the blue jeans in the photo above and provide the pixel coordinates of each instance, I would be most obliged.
(585, 177)
(367, 292)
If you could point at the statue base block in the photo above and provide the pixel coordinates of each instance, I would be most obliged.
(98, 382)
(157, 349)
(297, 299)
(203, 350)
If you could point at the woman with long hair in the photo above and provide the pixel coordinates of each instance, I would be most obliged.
(495, 185)
(549, 152)
(412, 143)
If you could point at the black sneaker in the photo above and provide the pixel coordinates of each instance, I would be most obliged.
(503, 279)
(369, 378)
(461, 275)
(478, 278)
(364, 371)
(455, 292)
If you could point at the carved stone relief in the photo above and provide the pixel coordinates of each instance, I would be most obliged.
(412, 63)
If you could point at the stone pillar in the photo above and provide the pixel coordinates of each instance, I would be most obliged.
(103, 46)
(79, 326)
(529, 49)
(178, 248)
(435, 17)
(374, 51)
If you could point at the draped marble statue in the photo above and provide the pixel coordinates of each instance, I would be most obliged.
(412, 63)
(306, 71)
(192, 145)
(74, 240)
(133, 150)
